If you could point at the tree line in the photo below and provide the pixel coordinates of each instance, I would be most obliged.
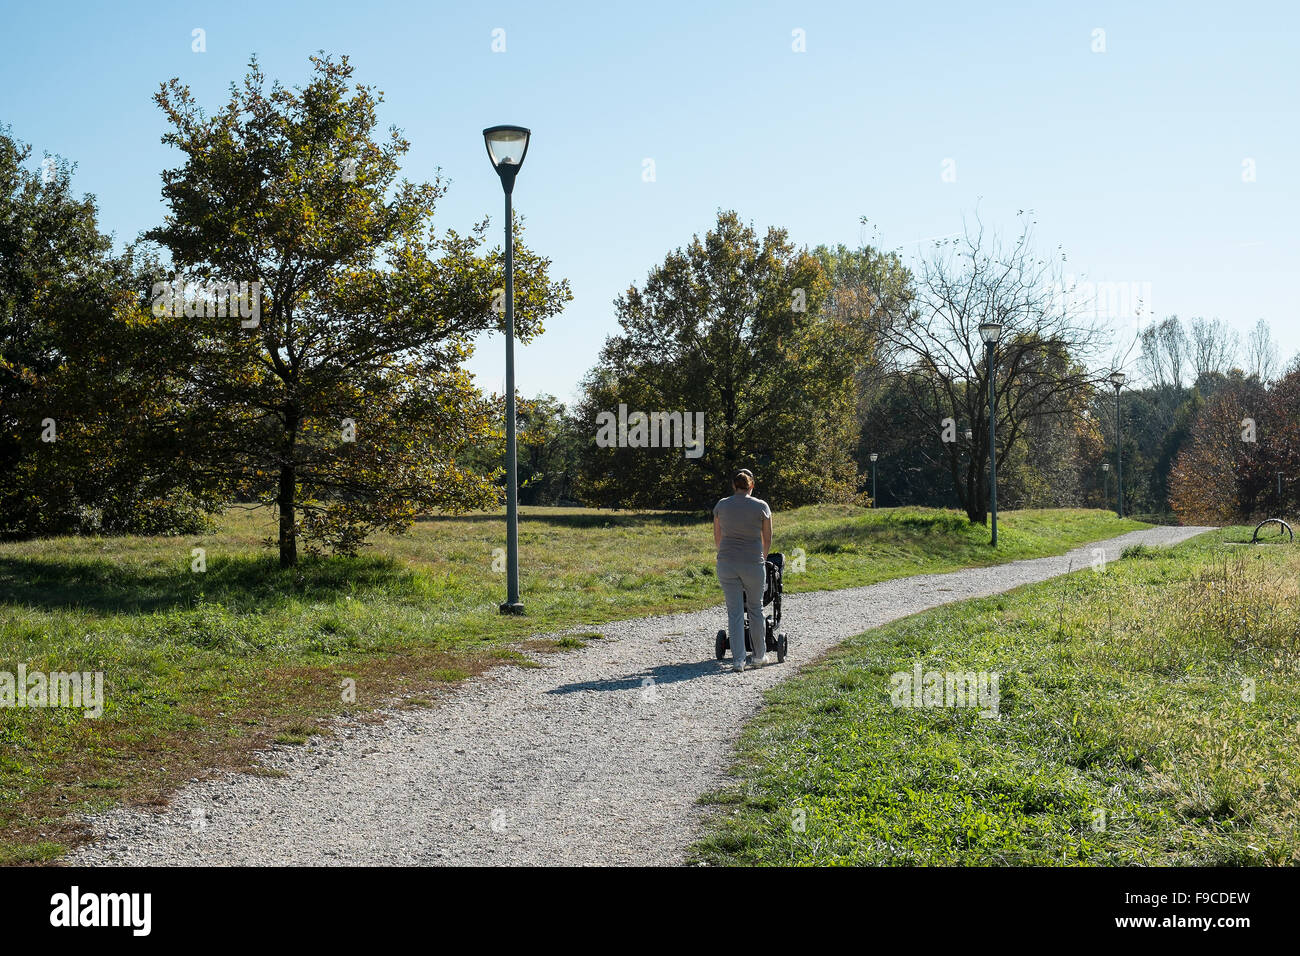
(294, 333)
(887, 360)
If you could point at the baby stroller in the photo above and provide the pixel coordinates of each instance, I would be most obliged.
(771, 595)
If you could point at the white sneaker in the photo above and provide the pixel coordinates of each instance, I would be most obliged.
(738, 669)
(758, 661)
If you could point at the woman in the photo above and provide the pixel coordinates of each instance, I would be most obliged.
(742, 533)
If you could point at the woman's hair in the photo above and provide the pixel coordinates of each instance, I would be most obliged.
(744, 480)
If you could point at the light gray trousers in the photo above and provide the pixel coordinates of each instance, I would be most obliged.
(743, 578)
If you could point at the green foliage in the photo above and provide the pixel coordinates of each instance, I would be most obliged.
(346, 405)
(730, 326)
(80, 387)
(1219, 477)
(548, 445)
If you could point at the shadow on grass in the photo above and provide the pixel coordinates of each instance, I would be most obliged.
(241, 582)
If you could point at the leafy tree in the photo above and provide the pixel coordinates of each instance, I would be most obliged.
(1057, 464)
(908, 471)
(339, 396)
(549, 445)
(868, 290)
(1277, 449)
(731, 326)
(1211, 479)
(79, 379)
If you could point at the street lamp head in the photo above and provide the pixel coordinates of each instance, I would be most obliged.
(874, 456)
(1118, 379)
(969, 434)
(991, 332)
(1105, 466)
(506, 146)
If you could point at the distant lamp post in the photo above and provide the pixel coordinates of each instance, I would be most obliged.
(991, 333)
(970, 450)
(507, 146)
(1105, 483)
(874, 458)
(1118, 379)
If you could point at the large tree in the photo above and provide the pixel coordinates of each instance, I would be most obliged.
(868, 289)
(1224, 471)
(1043, 360)
(730, 327)
(80, 378)
(338, 395)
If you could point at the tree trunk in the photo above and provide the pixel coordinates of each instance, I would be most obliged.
(288, 539)
(285, 498)
(977, 503)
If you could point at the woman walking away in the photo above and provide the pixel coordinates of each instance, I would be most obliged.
(742, 533)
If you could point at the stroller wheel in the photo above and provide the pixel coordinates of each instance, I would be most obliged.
(781, 646)
(720, 645)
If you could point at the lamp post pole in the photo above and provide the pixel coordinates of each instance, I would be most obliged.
(874, 457)
(993, 444)
(513, 604)
(991, 332)
(1117, 379)
(970, 463)
(507, 146)
(1105, 484)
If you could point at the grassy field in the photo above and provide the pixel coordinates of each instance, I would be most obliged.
(202, 668)
(1149, 714)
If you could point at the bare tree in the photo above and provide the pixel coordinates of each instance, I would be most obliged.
(1165, 353)
(1214, 347)
(1261, 353)
(1048, 343)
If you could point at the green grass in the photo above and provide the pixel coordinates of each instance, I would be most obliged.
(201, 669)
(1124, 735)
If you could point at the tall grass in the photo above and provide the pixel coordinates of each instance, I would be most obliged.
(202, 668)
(1149, 714)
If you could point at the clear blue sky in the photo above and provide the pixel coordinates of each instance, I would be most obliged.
(1131, 158)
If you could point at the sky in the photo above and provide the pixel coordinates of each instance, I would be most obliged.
(1158, 144)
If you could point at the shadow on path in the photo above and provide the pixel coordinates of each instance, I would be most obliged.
(663, 674)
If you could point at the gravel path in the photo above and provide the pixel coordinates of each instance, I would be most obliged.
(595, 758)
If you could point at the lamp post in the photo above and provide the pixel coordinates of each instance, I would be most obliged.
(506, 147)
(1117, 379)
(1105, 483)
(991, 333)
(874, 458)
(970, 453)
